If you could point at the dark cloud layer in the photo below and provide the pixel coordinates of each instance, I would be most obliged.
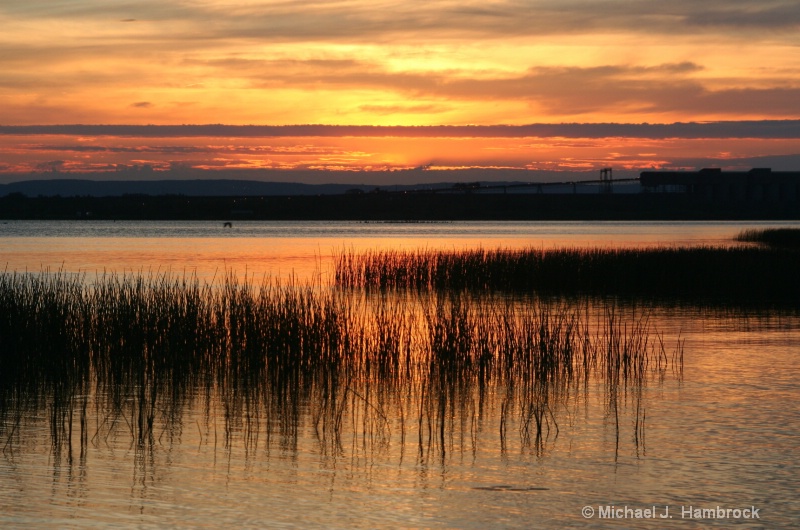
(357, 21)
(767, 129)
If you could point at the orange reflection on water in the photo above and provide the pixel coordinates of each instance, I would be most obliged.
(307, 249)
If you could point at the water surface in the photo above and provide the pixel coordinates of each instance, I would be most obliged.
(721, 432)
(283, 248)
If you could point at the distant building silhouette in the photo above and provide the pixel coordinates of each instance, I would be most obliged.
(759, 185)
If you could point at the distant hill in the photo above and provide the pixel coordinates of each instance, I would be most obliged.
(240, 188)
(248, 182)
(194, 188)
(35, 186)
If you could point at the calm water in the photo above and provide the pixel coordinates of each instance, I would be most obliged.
(721, 434)
(303, 248)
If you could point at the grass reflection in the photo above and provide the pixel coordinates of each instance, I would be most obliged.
(126, 357)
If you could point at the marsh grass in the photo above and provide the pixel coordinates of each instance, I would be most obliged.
(737, 274)
(127, 356)
(773, 237)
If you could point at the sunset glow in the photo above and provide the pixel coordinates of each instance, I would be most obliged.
(395, 63)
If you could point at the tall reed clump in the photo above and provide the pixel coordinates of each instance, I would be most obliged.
(42, 325)
(740, 274)
(774, 237)
(139, 350)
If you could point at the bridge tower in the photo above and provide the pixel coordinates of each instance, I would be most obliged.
(606, 180)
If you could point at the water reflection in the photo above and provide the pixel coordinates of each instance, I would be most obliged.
(130, 397)
(304, 248)
(140, 365)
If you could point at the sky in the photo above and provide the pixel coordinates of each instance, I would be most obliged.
(401, 70)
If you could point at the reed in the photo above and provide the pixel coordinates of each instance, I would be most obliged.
(773, 237)
(743, 274)
(136, 351)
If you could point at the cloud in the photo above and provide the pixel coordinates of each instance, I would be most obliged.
(52, 165)
(253, 150)
(566, 91)
(770, 14)
(767, 129)
(98, 9)
(775, 162)
(171, 149)
(403, 109)
(412, 57)
(359, 21)
(626, 90)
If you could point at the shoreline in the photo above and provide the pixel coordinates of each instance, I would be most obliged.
(404, 207)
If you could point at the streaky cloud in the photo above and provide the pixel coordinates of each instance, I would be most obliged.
(403, 109)
(767, 129)
(386, 20)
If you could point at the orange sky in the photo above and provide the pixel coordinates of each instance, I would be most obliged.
(71, 153)
(351, 62)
